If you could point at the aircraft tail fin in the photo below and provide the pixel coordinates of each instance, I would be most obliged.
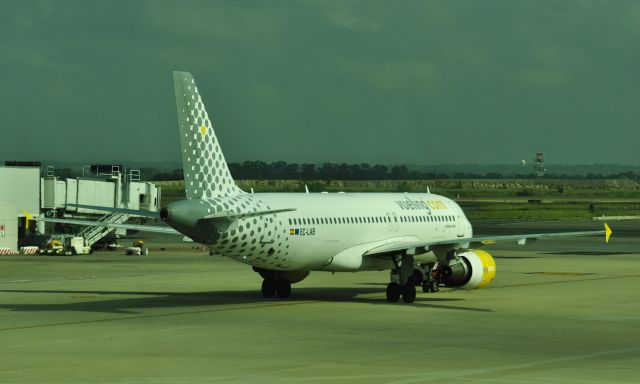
(206, 174)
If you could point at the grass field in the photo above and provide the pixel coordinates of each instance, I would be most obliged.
(481, 199)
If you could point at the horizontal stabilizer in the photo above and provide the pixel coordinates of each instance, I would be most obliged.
(132, 212)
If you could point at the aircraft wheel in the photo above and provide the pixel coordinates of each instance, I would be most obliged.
(393, 292)
(434, 286)
(268, 288)
(409, 293)
(283, 288)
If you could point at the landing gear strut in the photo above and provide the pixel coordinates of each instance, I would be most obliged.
(268, 288)
(431, 277)
(277, 282)
(403, 281)
(271, 287)
(283, 288)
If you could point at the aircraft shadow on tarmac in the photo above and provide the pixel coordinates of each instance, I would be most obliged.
(202, 300)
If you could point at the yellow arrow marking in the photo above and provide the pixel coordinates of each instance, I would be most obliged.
(607, 233)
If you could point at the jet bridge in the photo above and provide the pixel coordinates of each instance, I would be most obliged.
(101, 185)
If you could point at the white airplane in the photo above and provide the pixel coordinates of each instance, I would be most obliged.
(423, 238)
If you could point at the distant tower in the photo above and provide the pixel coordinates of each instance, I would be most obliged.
(538, 162)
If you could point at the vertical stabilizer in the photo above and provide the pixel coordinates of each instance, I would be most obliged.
(206, 174)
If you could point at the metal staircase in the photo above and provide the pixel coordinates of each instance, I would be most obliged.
(93, 234)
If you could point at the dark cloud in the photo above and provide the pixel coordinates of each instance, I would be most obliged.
(418, 82)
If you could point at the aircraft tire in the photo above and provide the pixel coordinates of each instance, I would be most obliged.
(393, 292)
(409, 293)
(283, 288)
(268, 288)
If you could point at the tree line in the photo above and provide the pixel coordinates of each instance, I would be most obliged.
(281, 170)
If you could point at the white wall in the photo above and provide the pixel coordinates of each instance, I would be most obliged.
(9, 226)
(21, 186)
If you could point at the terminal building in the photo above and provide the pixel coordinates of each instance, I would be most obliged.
(27, 189)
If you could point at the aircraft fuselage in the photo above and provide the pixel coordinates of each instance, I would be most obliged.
(323, 229)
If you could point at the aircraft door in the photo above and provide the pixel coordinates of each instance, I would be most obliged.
(269, 230)
(394, 221)
(460, 226)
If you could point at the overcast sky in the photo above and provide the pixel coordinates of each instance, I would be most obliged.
(416, 82)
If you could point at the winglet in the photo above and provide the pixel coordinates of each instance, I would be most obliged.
(607, 233)
(29, 218)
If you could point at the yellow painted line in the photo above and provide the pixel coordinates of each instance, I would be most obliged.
(559, 273)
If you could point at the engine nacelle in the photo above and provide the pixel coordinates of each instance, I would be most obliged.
(470, 270)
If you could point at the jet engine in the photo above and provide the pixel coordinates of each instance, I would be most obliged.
(469, 270)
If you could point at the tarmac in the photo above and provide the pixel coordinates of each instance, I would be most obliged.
(559, 311)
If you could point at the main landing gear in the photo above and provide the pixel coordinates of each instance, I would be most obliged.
(407, 291)
(271, 287)
(404, 279)
(403, 282)
(274, 283)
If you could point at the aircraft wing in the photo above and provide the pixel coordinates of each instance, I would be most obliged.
(475, 242)
(156, 215)
(132, 212)
(135, 227)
